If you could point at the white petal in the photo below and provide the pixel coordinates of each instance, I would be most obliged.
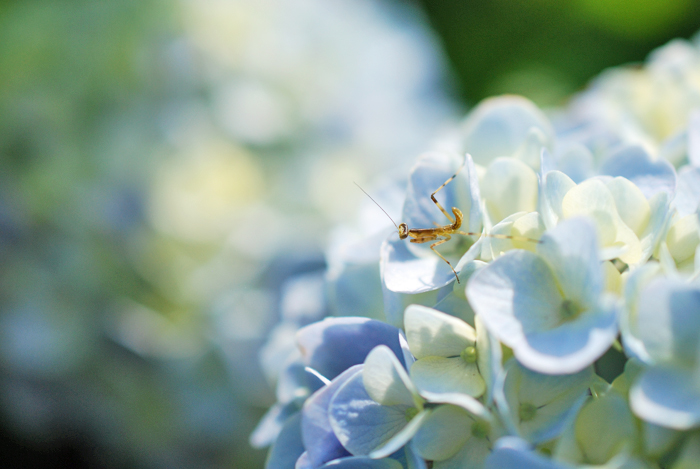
(509, 186)
(447, 375)
(432, 333)
(631, 204)
(385, 380)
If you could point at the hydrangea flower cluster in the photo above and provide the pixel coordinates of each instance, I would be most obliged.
(572, 249)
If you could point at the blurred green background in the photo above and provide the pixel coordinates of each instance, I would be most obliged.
(153, 189)
(548, 49)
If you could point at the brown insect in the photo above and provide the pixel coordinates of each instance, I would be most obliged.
(441, 233)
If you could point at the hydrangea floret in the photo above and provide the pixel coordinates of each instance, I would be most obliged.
(572, 337)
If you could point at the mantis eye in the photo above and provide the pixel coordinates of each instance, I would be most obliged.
(403, 231)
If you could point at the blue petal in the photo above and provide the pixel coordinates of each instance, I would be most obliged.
(360, 424)
(272, 423)
(304, 462)
(288, 447)
(667, 397)
(333, 345)
(576, 162)
(403, 272)
(498, 126)
(319, 440)
(635, 164)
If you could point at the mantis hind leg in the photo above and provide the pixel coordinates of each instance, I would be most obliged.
(432, 196)
(446, 238)
(501, 236)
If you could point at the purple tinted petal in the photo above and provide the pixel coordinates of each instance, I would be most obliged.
(272, 423)
(333, 345)
(360, 423)
(319, 440)
(288, 447)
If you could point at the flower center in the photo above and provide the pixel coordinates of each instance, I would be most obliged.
(410, 413)
(481, 429)
(468, 354)
(569, 310)
(527, 411)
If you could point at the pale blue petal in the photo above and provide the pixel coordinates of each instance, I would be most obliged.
(498, 126)
(571, 249)
(519, 301)
(385, 379)
(403, 272)
(356, 287)
(667, 397)
(658, 224)
(514, 453)
(475, 216)
(361, 424)
(576, 162)
(694, 138)
(514, 295)
(530, 151)
(355, 462)
(288, 446)
(688, 192)
(333, 345)
(408, 357)
(547, 163)
(674, 149)
(635, 284)
(573, 345)
(395, 303)
(635, 164)
(668, 322)
(555, 186)
(319, 439)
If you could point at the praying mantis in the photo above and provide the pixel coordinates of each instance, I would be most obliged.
(441, 233)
